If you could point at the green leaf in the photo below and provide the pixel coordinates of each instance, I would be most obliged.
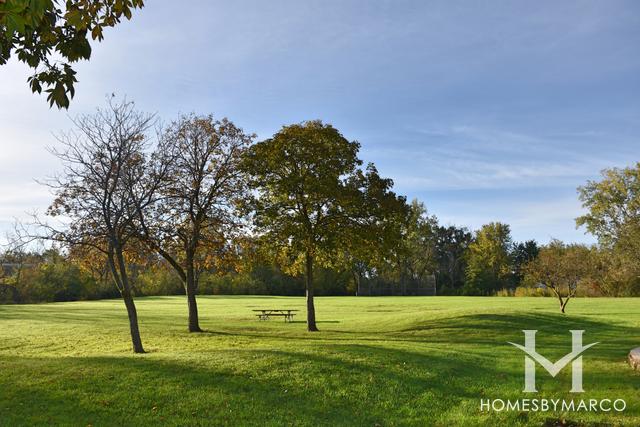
(14, 23)
(96, 33)
(35, 84)
(74, 18)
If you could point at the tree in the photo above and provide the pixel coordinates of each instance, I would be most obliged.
(42, 31)
(100, 190)
(613, 203)
(488, 260)
(451, 246)
(562, 269)
(53, 278)
(415, 257)
(11, 265)
(617, 276)
(194, 218)
(381, 246)
(313, 201)
(522, 254)
(92, 262)
(614, 210)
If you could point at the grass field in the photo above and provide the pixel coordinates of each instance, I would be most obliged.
(377, 361)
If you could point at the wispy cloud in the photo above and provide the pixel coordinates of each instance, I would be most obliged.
(467, 157)
(488, 110)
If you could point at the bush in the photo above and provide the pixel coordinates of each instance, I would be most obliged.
(525, 291)
(53, 281)
(505, 292)
(533, 291)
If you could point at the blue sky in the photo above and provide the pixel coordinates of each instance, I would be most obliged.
(486, 111)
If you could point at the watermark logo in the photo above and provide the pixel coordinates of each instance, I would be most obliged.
(575, 358)
(549, 403)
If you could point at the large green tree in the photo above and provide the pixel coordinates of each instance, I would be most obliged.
(50, 35)
(313, 200)
(613, 205)
(613, 216)
(488, 260)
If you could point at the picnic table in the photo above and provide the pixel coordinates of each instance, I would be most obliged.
(266, 313)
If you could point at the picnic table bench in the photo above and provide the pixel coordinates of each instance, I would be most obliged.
(266, 313)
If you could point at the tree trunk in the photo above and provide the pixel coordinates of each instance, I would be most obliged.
(190, 289)
(557, 294)
(194, 321)
(136, 341)
(562, 303)
(119, 273)
(311, 311)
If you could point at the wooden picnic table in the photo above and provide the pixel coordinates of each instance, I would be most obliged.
(266, 313)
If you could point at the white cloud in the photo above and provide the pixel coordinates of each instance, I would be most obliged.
(478, 98)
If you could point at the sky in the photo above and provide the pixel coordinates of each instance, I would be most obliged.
(485, 111)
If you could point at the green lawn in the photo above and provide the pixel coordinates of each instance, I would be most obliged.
(377, 361)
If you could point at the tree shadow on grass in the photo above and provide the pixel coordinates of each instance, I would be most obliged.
(317, 321)
(433, 373)
(615, 340)
(284, 387)
(477, 329)
(339, 384)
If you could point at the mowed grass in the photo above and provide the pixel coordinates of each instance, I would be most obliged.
(376, 361)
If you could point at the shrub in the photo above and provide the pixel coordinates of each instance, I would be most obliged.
(524, 291)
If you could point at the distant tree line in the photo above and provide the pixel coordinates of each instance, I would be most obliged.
(200, 207)
(462, 263)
